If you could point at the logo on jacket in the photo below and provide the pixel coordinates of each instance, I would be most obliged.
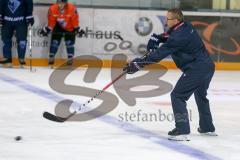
(13, 5)
(62, 22)
(144, 26)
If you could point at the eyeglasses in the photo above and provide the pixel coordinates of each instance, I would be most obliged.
(168, 19)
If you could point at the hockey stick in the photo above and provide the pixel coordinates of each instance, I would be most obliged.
(55, 118)
(131, 49)
(30, 49)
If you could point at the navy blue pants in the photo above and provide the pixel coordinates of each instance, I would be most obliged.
(195, 80)
(21, 35)
(69, 37)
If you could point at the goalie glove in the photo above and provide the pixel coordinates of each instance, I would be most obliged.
(79, 32)
(45, 31)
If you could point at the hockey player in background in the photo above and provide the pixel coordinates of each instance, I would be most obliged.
(63, 21)
(15, 15)
(188, 52)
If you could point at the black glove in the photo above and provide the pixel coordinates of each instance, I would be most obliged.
(30, 20)
(134, 66)
(1, 20)
(155, 40)
(44, 31)
(79, 32)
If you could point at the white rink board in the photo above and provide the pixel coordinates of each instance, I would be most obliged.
(98, 21)
(101, 22)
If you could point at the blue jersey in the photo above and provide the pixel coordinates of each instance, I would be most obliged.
(184, 45)
(16, 10)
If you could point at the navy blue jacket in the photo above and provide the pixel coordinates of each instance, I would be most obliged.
(184, 45)
(16, 10)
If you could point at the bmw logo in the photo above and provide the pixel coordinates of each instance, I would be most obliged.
(144, 26)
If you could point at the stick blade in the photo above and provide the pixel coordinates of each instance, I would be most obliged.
(53, 117)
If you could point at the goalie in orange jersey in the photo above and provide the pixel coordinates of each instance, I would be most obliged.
(63, 21)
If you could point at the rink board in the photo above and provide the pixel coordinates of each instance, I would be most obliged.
(135, 27)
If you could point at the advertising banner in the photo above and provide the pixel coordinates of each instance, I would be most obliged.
(114, 31)
(221, 36)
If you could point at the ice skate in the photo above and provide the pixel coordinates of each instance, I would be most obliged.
(6, 62)
(51, 62)
(175, 135)
(21, 63)
(206, 133)
(70, 61)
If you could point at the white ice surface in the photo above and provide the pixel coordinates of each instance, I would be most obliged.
(21, 115)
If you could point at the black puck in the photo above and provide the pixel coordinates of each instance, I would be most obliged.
(18, 138)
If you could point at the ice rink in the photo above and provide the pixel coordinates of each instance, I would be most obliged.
(24, 96)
